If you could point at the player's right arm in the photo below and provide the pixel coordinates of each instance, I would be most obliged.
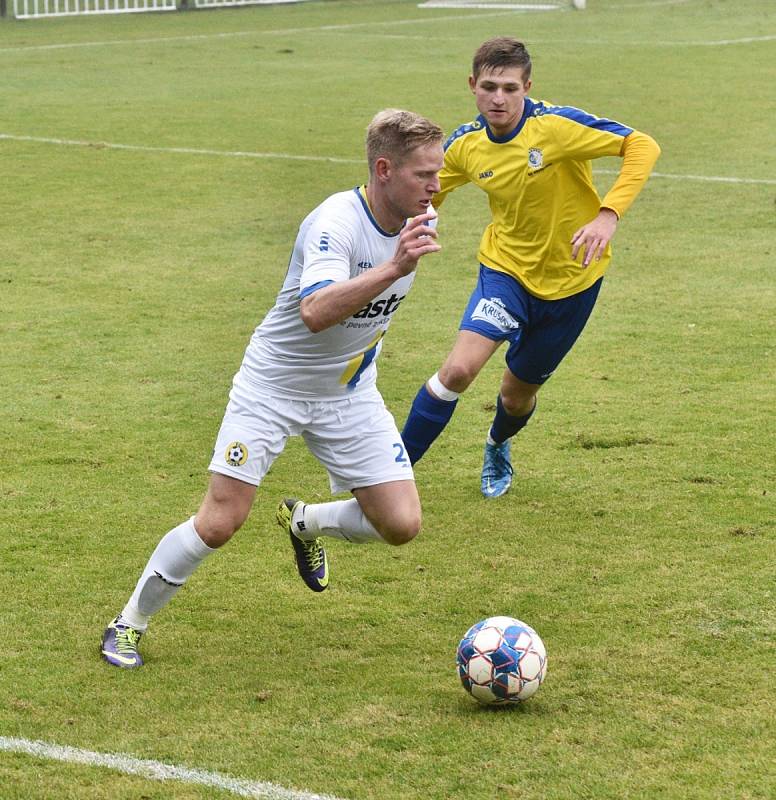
(335, 301)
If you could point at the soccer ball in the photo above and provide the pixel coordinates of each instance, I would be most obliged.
(501, 660)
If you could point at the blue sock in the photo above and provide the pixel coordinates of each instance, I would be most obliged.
(426, 420)
(504, 425)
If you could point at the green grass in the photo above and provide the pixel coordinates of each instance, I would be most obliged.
(638, 539)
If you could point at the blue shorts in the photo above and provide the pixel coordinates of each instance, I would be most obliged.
(539, 332)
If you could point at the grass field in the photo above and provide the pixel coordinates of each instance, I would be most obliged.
(153, 171)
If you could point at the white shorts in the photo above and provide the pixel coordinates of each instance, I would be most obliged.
(354, 437)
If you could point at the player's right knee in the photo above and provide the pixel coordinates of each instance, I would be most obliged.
(223, 511)
(457, 376)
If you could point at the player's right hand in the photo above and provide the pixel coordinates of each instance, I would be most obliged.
(416, 239)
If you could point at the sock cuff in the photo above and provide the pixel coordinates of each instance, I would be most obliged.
(192, 543)
(522, 418)
(505, 425)
(440, 390)
(132, 617)
(432, 408)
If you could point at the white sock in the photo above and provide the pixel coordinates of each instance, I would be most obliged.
(342, 519)
(176, 556)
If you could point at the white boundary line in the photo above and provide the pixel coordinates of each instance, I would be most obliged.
(357, 25)
(742, 40)
(156, 770)
(345, 28)
(486, 6)
(646, 4)
(324, 159)
(707, 178)
(109, 42)
(275, 32)
(185, 150)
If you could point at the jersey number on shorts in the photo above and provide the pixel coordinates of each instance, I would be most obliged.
(400, 457)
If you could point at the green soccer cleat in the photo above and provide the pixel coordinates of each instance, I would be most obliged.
(311, 561)
(119, 645)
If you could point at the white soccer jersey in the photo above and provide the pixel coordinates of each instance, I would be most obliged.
(337, 241)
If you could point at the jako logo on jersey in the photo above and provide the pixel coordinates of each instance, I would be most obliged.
(488, 174)
(384, 307)
(323, 244)
(236, 454)
(493, 312)
(362, 265)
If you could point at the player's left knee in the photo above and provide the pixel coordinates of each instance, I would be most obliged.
(518, 407)
(518, 402)
(401, 529)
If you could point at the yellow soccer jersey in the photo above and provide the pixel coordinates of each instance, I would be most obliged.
(539, 184)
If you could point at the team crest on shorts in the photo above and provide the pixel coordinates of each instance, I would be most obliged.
(236, 454)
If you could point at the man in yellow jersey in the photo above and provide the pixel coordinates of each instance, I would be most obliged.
(543, 256)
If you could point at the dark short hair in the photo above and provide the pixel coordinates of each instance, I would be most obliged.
(499, 53)
(394, 133)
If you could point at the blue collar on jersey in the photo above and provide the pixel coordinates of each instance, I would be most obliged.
(361, 192)
(528, 107)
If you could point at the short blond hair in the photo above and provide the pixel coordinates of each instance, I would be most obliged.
(394, 134)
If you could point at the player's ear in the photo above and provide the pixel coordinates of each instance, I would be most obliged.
(527, 85)
(382, 168)
(472, 83)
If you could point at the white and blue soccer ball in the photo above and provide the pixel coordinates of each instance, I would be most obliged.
(501, 660)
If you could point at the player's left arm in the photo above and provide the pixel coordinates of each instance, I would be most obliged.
(639, 153)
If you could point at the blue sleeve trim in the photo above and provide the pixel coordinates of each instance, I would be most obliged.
(469, 127)
(314, 288)
(588, 120)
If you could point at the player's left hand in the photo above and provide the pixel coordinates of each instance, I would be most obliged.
(591, 239)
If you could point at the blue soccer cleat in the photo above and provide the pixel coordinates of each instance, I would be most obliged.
(496, 470)
(119, 645)
(311, 561)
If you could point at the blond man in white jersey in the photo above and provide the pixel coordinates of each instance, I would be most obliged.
(309, 371)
